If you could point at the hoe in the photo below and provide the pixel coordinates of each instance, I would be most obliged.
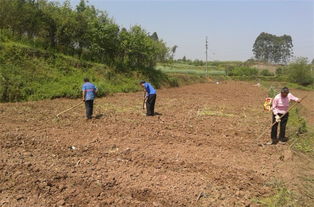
(69, 109)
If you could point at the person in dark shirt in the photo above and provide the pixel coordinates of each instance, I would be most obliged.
(150, 98)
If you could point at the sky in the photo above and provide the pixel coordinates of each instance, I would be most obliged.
(230, 25)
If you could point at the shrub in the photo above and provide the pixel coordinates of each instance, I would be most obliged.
(279, 71)
(243, 71)
(300, 72)
(266, 72)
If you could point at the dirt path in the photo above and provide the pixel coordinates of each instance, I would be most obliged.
(201, 151)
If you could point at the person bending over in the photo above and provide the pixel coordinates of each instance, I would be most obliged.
(150, 98)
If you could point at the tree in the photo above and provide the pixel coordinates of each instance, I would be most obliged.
(154, 36)
(84, 32)
(273, 49)
(173, 50)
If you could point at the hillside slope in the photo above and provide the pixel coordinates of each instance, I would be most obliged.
(28, 73)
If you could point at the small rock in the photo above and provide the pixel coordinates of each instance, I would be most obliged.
(61, 203)
(19, 198)
(156, 204)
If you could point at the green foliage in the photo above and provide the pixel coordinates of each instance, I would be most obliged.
(31, 74)
(302, 135)
(266, 72)
(177, 79)
(282, 197)
(88, 35)
(242, 71)
(305, 145)
(190, 71)
(184, 68)
(28, 73)
(300, 72)
(279, 71)
(296, 123)
(272, 48)
(272, 92)
(83, 32)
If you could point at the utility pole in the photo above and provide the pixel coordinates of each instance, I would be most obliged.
(206, 46)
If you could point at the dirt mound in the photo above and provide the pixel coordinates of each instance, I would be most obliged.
(200, 151)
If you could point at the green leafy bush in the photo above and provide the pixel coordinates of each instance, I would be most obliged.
(300, 72)
(242, 71)
(28, 74)
(279, 71)
(266, 72)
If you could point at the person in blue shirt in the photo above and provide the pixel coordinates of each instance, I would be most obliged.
(150, 98)
(89, 92)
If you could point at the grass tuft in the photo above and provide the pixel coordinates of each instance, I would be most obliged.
(282, 197)
(208, 112)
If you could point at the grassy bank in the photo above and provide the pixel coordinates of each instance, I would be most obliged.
(33, 74)
(30, 74)
(302, 144)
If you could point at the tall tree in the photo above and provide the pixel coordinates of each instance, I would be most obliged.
(83, 31)
(173, 51)
(154, 36)
(273, 49)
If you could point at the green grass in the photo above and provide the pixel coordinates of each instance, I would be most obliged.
(301, 135)
(307, 199)
(282, 197)
(277, 84)
(28, 74)
(188, 69)
(301, 140)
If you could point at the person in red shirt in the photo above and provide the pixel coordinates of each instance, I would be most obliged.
(280, 106)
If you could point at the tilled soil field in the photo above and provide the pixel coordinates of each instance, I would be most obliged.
(201, 150)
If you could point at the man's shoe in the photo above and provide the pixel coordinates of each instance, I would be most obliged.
(283, 140)
(273, 142)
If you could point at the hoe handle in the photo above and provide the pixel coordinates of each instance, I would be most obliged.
(69, 109)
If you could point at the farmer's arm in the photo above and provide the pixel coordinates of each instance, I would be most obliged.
(145, 96)
(293, 98)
